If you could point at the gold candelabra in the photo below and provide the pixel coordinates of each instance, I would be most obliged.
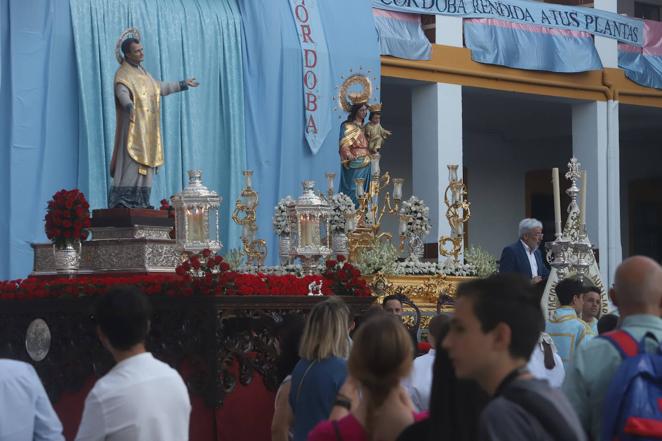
(370, 212)
(457, 214)
(254, 249)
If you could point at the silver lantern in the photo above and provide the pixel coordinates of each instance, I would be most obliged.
(311, 215)
(196, 216)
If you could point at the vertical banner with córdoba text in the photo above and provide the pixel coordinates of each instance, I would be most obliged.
(317, 86)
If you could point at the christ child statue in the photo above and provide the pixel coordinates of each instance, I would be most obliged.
(374, 131)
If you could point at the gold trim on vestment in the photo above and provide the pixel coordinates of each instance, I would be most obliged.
(143, 134)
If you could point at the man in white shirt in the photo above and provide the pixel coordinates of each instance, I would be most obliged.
(141, 398)
(524, 256)
(419, 382)
(26, 413)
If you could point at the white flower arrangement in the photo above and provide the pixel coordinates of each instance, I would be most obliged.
(411, 267)
(280, 222)
(381, 257)
(485, 263)
(341, 206)
(448, 268)
(418, 213)
(279, 270)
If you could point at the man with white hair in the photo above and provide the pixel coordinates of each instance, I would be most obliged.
(523, 256)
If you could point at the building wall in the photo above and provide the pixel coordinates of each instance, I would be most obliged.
(397, 153)
(496, 171)
(635, 145)
(627, 6)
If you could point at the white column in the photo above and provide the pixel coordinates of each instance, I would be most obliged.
(448, 31)
(594, 142)
(436, 142)
(607, 47)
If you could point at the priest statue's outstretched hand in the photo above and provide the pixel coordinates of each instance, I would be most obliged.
(138, 150)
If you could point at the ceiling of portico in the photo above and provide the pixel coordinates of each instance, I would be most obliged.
(517, 117)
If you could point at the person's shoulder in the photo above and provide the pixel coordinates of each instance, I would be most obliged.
(323, 431)
(599, 345)
(16, 369)
(502, 416)
(334, 362)
(423, 361)
(510, 248)
(417, 431)
(15, 365)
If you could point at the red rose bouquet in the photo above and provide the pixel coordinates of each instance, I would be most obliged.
(344, 279)
(67, 217)
(205, 264)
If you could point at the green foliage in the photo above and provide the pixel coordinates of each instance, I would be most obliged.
(381, 257)
(484, 262)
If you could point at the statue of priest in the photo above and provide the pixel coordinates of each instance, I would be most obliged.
(138, 150)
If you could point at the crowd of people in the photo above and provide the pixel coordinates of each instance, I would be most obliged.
(497, 369)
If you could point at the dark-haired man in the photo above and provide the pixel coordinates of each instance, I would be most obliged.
(138, 149)
(496, 324)
(568, 331)
(141, 398)
(392, 305)
(591, 308)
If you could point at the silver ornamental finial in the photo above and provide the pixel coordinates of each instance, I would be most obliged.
(574, 170)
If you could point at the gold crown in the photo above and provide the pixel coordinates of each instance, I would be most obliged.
(377, 107)
(358, 98)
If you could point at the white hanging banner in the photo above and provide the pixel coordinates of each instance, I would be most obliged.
(573, 18)
(316, 80)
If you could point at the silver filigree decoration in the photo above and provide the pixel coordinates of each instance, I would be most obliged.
(38, 339)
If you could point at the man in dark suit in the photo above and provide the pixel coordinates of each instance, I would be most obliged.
(524, 256)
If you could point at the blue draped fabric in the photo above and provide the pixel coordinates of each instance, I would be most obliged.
(202, 128)
(643, 65)
(533, 47)
(56, 98)
(39, 127)
(276, 147)
(401, 35)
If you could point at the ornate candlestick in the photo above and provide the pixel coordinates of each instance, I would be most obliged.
(457, 214)
(254, 249)
(370, 212)
(330, 176)
(571, 251)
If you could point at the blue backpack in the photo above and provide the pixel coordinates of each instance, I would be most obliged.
(632, 408)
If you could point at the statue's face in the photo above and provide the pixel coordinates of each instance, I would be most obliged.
(362, 112)
(376, 118)
(136, 54)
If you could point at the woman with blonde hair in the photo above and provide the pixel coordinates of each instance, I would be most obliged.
(381, 356)
(322, 369)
